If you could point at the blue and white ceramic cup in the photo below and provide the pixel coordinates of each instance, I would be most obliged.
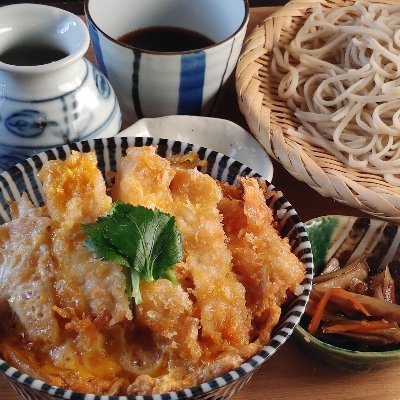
(151, 83)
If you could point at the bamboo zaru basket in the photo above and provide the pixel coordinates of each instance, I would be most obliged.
(269, 119)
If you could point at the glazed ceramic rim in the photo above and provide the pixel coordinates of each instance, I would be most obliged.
(289, 223)
(308, 338)
(52, 66)
(169, 53)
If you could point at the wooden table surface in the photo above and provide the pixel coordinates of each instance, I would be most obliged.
(291, 374)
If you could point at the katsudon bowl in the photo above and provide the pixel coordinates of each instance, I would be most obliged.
(22, 178)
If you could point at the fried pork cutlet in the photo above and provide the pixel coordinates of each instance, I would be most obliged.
(262, 260)
(26, 272)
(75, 193)
(192, 197)
(144, 178)
(220, 298)
(214, 300)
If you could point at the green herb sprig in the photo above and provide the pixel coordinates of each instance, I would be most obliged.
(146, 242)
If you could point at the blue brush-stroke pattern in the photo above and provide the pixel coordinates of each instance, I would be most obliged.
(135, 84)
(102, 85)
(94, 35)
(193, 67)
(215, 102)
(28, 123)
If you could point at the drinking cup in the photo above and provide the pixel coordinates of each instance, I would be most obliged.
(153, 83)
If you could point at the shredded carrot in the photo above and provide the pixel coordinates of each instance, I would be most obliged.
(319, 311)
(362, 326)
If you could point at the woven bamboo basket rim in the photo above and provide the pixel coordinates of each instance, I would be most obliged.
(269, 118)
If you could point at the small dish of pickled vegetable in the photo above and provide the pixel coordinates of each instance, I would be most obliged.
(353, 317)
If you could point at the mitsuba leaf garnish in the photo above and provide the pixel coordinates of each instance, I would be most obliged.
(146, 242)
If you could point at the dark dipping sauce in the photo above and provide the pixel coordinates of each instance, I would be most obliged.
(31, 53)
(166, 39)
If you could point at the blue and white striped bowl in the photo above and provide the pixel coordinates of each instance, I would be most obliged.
(155, 84)
(22, 178)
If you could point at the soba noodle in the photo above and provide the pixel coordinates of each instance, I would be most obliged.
(341, 76)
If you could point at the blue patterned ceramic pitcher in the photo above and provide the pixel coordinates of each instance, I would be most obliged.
(49, 93)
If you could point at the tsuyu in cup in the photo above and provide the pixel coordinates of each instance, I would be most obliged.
(152, 83)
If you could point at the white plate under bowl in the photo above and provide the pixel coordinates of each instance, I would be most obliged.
(217, 134)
